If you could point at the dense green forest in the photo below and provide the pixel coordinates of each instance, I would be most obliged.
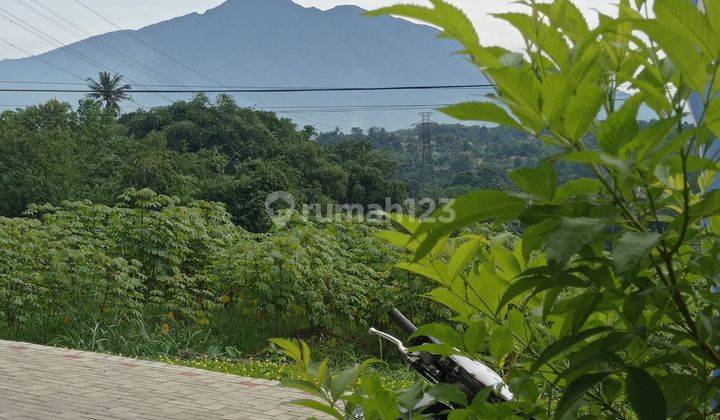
(212, 151)
(465, 157)
(218, 151)
(148, 230)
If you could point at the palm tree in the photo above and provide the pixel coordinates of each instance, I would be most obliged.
(108, 91)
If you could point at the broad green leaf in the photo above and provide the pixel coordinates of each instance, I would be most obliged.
(708, 206)
(462, 256)
(481, 111)
(654, 90)
(305, 353)
(345, 378)
(453, 21)
(679, 390)
(321, 371)
(632, 248)
(485, 289)
(444, 333)
(382, 403)
(540, 182)
(565, 15)
(534, 236)
(667, 148)
(584, 66)
(537, 32)
(582, 109)
(619, 128)
(537, 284)
(578, 187)
(518, 325)
(714, 224)
(521, 90)
(289, 347)
(409, 223)
(448, 393)
(446, 297)
(303, 385)
(645, 395)
(412, 396)
(523, 22)
(584, 305)
(570, 236)
(466, 210)
(576, 390)
(712, 9)
(490, 57)
(435, 272)
(615, 341)
(556, 91)
(593, 157)
(401, 240)
(599, 361)
(651, 137)
(691, 164)
(563, 345)
(712, 116)
(688, 60)
(475, 337)
(439, 349)
(501, 343)
(685, 18)
(482, 409)
(317, 405)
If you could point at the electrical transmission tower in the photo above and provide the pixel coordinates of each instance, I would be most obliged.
(426, 170)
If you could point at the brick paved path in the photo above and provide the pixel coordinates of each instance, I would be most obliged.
(38, 382)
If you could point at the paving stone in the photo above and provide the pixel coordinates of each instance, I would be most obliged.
(39, 382)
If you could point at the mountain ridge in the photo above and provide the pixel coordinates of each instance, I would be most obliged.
(271, 43)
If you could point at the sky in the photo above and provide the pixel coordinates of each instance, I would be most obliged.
(133, 14)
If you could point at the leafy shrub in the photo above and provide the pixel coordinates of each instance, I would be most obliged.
(154, 272)
(606, 307)
(80, 260)
(334, 277)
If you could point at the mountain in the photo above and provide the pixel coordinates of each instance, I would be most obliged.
(271, 43)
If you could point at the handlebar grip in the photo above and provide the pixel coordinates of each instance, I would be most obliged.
(403, 323)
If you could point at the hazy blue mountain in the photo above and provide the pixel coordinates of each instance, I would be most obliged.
(274, 43)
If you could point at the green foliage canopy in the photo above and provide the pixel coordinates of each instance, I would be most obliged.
(604, 307)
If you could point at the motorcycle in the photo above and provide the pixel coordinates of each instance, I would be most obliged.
(470, 376)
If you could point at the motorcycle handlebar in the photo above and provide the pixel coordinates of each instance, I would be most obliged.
(403, 323)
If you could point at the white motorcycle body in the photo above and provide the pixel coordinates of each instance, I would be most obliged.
(481, 372)
(485, 376)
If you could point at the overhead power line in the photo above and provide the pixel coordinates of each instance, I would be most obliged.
(98, 43)
(188, 85)
(266, 90)
(321, 109)
(34, 30)
(147, 44)
(49, 63)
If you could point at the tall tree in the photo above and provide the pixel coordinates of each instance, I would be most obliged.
(108, 90)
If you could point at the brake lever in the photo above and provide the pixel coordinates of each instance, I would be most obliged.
(404, 350)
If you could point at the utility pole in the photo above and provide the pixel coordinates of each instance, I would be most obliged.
(426, 171)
